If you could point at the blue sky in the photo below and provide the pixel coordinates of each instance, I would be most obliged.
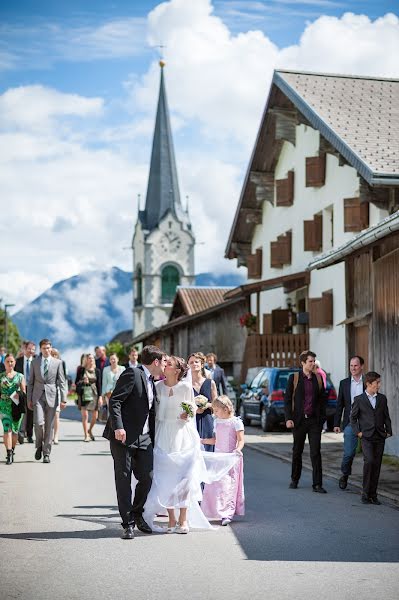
(78, 91)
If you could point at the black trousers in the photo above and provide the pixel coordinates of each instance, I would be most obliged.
(137, 459)
(312, 428)
(373, 449)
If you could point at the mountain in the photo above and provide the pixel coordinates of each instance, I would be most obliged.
(89, 309)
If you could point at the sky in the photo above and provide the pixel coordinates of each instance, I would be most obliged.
(78, 90)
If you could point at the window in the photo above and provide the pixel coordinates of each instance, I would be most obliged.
(138, 301)
(170, 281)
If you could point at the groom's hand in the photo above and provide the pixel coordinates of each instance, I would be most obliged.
(120, 435)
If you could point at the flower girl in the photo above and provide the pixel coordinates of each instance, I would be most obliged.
(225, 498)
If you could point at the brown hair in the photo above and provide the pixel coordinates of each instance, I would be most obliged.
(359, 358)
(213, 355)
(370, 377)
(151, 353)
(201, 356)
(44, 341)
(303, 357)
(181, 365)
(224, 402)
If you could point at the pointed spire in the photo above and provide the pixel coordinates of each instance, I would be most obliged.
(163, 187)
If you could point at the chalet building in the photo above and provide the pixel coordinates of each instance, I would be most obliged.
(163, 241)
(325, 167)
(371, 262)
(202, 320)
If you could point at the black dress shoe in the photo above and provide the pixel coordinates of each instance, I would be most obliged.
(142, 525)
(38, 454)
(365, 499)
(343, 482)
(293, 485)
(30, 439)
(375, 500)
(128, 533)
(319, 489)
(46, 459)
(21, 437)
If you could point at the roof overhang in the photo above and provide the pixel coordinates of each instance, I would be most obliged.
(364, 239)
(290, 282)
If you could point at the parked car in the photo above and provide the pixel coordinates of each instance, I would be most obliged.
(263, 399)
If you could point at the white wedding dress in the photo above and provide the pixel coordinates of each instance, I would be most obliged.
(180, 466)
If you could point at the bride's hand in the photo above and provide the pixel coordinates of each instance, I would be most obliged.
(184, 416)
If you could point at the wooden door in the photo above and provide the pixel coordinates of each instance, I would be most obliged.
(362, 344)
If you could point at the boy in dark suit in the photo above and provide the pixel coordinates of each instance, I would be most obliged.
(371, 422)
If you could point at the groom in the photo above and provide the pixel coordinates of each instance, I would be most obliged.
(130, 430)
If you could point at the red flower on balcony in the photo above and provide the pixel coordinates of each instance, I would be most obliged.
(248, 320)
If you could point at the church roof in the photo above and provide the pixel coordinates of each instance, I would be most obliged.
(163, 194)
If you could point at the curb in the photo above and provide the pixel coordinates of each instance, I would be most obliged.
(327, 472)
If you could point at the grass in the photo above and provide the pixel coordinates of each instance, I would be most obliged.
(392, 461)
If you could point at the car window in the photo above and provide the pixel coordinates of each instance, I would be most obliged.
(282, 379)
(256, 382)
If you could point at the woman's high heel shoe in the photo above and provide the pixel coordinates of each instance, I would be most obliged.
(182, 528)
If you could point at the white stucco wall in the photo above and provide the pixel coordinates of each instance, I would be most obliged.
(341, 182)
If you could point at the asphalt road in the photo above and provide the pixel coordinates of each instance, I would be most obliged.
(59, 537)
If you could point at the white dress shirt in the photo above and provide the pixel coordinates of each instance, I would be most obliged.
(150, 394)
(133, 366)
(373, 399)
(356, 388)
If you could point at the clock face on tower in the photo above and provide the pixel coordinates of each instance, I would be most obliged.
(170, 242)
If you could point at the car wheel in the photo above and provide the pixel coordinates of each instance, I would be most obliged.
(265, 421)
(244, 418)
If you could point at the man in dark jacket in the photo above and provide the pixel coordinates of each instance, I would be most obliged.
(305, 413)
(371, 422)
(23, 365)
(217, 373)
(349, 388)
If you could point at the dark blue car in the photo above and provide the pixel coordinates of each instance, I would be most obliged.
(263, 399)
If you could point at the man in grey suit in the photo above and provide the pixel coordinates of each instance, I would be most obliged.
(46, 389)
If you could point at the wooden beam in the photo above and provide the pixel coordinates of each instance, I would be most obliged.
(251, 215)
(264, 186)
(380, 197)
(285, 127)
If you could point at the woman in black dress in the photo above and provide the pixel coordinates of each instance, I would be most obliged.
(204, 387)
(88, 389)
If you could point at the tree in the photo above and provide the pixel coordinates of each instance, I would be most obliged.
(13, 338)
(119, 349)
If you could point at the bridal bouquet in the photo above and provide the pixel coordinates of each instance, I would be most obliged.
(187, 408)
(201, 401)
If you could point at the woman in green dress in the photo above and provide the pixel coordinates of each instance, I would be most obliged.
(11, 405)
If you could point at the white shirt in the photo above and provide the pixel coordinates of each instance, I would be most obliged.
(42, 365)
(133, 365)
(26, 361)
(373, 399)
(356, 388)
(150, 394)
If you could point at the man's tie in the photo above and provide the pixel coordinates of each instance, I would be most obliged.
(45, 368)
(27, 369)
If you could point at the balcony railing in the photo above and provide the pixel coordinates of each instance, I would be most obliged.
(273, 350)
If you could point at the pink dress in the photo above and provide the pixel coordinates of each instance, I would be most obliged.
(225, 498)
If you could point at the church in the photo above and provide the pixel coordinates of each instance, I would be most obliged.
(163, 241)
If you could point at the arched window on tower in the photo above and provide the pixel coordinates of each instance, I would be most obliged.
(170, 281)
(138, 300)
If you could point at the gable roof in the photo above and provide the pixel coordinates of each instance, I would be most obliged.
(191, 300)
(359, 116)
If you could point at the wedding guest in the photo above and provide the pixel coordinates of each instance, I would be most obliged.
(217, 373)
(102, 359)
(12, 388)
(133, 358)
(88, 389)
(319, 371)
(56, 354)
(46, 388)
(111, 375)
(370, 421)
(2, 354)
(23, 365)
(225, 498)
(203, 387)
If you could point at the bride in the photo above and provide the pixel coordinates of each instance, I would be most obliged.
(179, 464)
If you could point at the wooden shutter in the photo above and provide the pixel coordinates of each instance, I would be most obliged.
(254, 264)
(321, 311)
(315, 171)
(356, 214)
(280, 251)
(285, 190)
(275, 257)
(313, 234)
(267, 323)
(280, 320)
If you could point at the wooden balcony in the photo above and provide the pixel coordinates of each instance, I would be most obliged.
(273, 350)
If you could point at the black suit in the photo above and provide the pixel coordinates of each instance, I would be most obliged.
(129, 409)
(303, 425)
(344, 403)
(219, 378)
(98, 364)
(2, 367)
(375, 425)
(27, 422)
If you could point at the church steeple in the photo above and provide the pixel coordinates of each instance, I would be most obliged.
(163, 187)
